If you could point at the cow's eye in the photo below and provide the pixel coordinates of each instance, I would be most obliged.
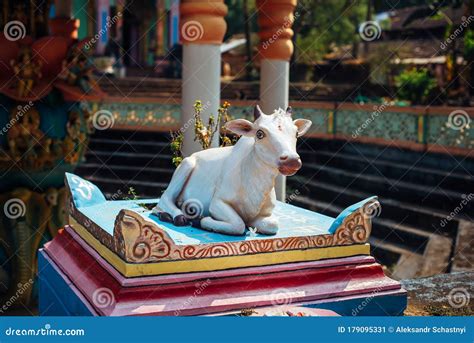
(260, 134)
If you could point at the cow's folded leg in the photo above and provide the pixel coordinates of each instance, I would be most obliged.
(165, 217)
(224, 220)
(266, 225)
(180, 220)
(162, 215)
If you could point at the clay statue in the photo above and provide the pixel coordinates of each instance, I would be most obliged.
(27, 71)
(77, 71)
(228, 189)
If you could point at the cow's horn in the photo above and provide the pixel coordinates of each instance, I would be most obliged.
(289, 111)
(257, 112)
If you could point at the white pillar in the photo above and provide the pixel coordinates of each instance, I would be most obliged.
(202, 29)
(274, 93)
(201, 81)
(275, 18)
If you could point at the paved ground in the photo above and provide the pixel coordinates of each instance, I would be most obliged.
(441, 295)
(463, 259)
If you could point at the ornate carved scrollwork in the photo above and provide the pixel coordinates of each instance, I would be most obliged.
(137, 240)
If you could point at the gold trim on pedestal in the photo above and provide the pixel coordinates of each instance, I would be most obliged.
(215, 263)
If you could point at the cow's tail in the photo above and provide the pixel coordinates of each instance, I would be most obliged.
(166, 207)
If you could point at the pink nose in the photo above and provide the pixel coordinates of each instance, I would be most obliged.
(290, 162)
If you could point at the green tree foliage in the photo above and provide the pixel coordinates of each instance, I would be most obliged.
(469, 45)
(322, 24)
(235, 19)
(415, 85)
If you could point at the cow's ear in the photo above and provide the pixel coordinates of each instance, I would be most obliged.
(241, 127)
(302, 125)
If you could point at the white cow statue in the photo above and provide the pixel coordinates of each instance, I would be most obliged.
(228, 189)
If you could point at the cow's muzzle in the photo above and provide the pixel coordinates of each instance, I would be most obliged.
(289, 166)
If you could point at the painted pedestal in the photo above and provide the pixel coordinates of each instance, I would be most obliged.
(116, 258)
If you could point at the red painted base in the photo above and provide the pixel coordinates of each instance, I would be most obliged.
(303, 284)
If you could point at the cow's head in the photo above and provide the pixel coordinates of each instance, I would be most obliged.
(275, 137)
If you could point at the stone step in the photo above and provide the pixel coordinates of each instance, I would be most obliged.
(433, 197)
(403, 236)
(423, 218)
(125, 173)
(142, 160)
(117, 145)
(118, 190)
(154, 87)
(132, 136)
(388, 169)
(434, 161)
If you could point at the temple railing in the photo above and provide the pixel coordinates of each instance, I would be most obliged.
(433, 128)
